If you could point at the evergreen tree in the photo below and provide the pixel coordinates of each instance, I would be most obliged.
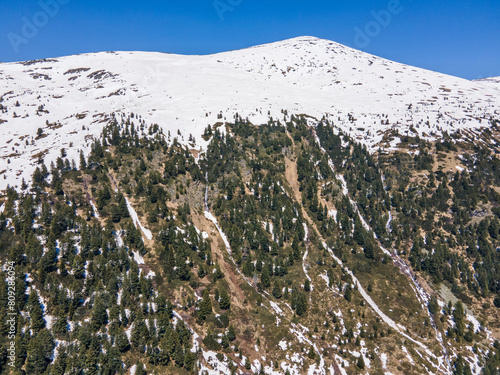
(36, 312)
(205, 306)
(225, 300)
(40, 351)
(83, 163)
(140, 369)
(121, 342)
(359, 231)
(368, 250)
(231, 333)
(301, 306)
(122, 207)
(347, 293)
(295, 247)
(307, 285)
(360, 363)
(433, 305)
(265, 279)
(277, 290)
(458, 318)
(115, 214)
(78, 267)
(99, 316)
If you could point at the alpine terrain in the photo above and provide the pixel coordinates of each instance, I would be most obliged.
(298, 207)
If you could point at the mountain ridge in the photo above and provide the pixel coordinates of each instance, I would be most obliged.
(369, 97)
(205, 215)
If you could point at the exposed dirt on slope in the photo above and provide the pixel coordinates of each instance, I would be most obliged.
(217, 249)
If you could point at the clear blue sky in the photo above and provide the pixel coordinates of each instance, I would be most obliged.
(461, 38)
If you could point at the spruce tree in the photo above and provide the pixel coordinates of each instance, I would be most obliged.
(361, 362)
(225, 300)
(348, 292)
(121, 342)
(231, 333)
(36, 312)
(277, 290)
(265, 279)
(301, 306)
(307, 285)
(83, 163)
(122, 207)
(311, 354)
(205, 307)
(295, 247)
(78, 267)
(458, 317)
(140, 369)
(99, 316)
(368, 250)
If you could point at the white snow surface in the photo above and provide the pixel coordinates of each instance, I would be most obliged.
(138, 258)
(365, 95)
(212, 218)
(135, 218)
(96, 212)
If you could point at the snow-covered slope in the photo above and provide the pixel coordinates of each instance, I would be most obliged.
(492, 82)
(69, 98)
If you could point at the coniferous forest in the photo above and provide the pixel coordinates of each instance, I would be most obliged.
(284, 246)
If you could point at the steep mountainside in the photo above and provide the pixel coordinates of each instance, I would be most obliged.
(256, 211)
(70, 98)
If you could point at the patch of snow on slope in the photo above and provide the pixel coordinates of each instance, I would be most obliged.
(383, 359)
(96, 213)
(408, 356)
(137, 223)
(391, 323)
(283, 344)
(365, 94)
(137, 257)
(212, 218)
(217, 367)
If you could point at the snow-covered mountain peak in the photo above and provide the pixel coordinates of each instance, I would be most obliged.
(71, 98)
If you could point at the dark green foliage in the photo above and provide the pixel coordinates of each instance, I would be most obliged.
(121, 342)
(265, 279)
(87, 278)
(433, 305)
(311, 354)
(205, 306)
(299, 302)
(40, 350)
(224, 300)
(496, 302)
(210, 342)
(140, 369)
(368, 249)
(36, 312)
(231, 333)
(307, 286)
(459, 319)
(360, 363)
(277, 289)
(348, 293)
(99, 316)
